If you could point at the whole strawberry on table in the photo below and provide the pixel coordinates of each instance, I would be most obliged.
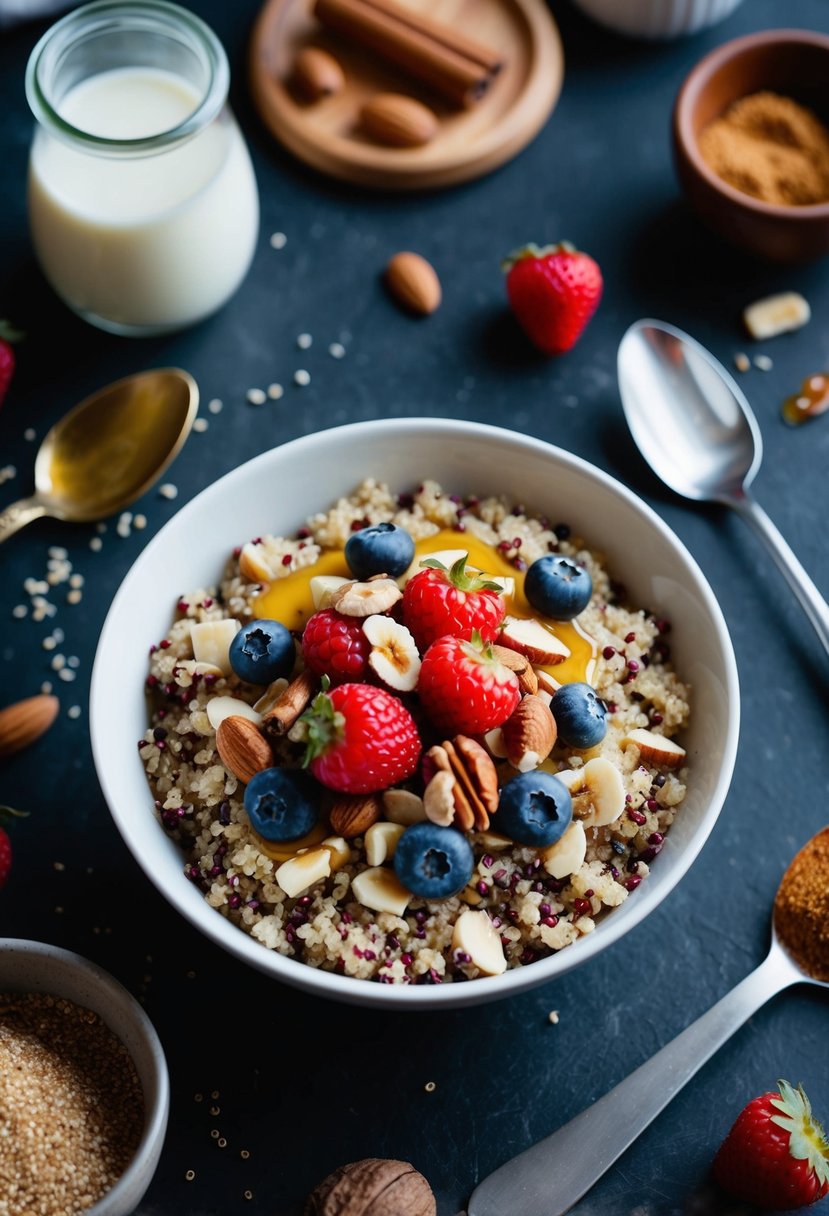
(776, 1155)
(553, 292)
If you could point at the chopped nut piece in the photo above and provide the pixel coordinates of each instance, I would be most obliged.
(776, 314)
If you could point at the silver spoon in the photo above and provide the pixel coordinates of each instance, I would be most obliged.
(549, 1178)
(109, 449)
(694, 427)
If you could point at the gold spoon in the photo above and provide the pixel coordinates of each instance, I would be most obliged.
(549, 1178)
(108, 450)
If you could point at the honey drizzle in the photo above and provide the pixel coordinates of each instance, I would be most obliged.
(810, 402)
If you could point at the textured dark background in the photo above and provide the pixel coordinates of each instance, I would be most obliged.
(304, 1085)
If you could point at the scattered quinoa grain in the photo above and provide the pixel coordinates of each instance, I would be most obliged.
(200, 425)
(96, 544)
(742, 362)
(763, 363)
(46, 687)
(74, 596)
(552, 1017)
(248, 1194)
(244, 1154)
(77, 580)
(336, 350)
(140, 522)
(215, 406)
(275, 391)
(19, 611)
(66, 674)
(74, 711)
(30, 434)
(190, 1175)
(430, 1087)
(302, 377)
(168, 490)
(256, 396)
(304, 341)
(278, 240)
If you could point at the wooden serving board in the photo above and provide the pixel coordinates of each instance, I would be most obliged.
(470, 142)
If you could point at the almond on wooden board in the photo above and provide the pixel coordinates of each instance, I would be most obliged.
(413, 282)
(399, 121)
(317, 74)
(25, 721)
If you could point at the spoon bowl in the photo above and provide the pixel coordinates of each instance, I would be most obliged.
(694, 427)
(109, 449)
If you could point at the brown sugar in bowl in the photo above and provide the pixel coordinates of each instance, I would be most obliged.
(793, 63)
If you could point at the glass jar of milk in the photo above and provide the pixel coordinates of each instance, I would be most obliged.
(142, 200)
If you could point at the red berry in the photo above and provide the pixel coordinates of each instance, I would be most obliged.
(776, 1155)
(553, 292)
(5, 857)
(464, 689)
(438, 603)
(8, 334)
(360, 739)
(335, 646)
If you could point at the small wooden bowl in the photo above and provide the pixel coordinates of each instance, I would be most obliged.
(794, 63)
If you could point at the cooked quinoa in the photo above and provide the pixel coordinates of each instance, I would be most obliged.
(199, 803)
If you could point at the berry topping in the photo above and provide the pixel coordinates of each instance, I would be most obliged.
(262, 651)
(334, 645)
(464, 688)
(553, 292)
(379, 549)
(360, 739)
(282, 803)
(438, 603)
(776, 1154)
(433, 862)
(580, 715)
(534, 809)
(557, 587)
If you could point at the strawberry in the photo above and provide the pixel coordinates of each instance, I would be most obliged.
(438, 602)
(334, 645)
(464, 689)
(6, 812)
(553, 292)
(8, 335)
(776, 1154)
(360, 739)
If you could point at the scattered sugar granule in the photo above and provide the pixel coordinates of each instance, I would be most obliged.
(77, 580)
(58, 553)
(74, 711)
(58, 634)
(302, 378)
(336, 350)
(30, 434)
(66, 674)
(74, 596)
(73, 661)
(58, 661)
(19, 611)
(763, 363)
(256, 396)
(215, 406)
(96, 544)
(552, 1017)
(278, 240)
(200, 425)
(168, 490)
(140, 522)
(49, 643)
(124, 525)
(742, 362)
(304, 341)
(275, 391)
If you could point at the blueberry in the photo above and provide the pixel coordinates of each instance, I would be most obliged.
(379, 549)
(557, 587)
(282, 803)
(580, 715)
(433, 862)
(262, 651)
(534, 809)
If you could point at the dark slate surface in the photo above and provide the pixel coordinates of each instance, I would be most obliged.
(304, 1085)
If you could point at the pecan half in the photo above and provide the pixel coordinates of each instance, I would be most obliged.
(294, 700)
(475, 789)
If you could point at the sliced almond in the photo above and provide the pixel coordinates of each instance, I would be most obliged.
(323, 586)
(403, 807)
(529, 637)
(381, 842)
(439, 799)
(546, 683)
(520, 664)
(365, 599)
(25, 721)
(339, 851)
(393, 657)
(301, 872)
(656, 749)
(270, 696)
(529, 734)
(494, 743)
(381, 890)
(211, 642)
(219, 708)
(566, 856)
(474, 934)
(353, 814)
(242, 748)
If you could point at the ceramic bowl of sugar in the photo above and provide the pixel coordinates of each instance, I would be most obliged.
(278, 493)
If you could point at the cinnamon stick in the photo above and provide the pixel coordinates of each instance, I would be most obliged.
(446, 35)
(405, 40)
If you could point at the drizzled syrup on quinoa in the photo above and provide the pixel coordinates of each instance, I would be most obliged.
(289, 600)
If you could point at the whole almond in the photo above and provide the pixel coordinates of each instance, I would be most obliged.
(243, 749)
(414, 283)
(317, 74)
(25, 721)
(352, 815)
(529, 734)
(399, 121)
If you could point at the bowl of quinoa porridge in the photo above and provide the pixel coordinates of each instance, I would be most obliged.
(363, 801)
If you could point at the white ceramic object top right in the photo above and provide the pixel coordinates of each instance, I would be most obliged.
(657, 18)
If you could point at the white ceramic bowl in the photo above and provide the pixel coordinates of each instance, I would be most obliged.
(658, 19)
(275, 492)
(37, 967)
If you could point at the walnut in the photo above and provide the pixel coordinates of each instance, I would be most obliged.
(373, 1187)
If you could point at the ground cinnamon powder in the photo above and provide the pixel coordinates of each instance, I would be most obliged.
(770, 147)
(801, 908)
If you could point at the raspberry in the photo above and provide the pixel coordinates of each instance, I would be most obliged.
(361, 739)
(464, 689)
(335, 646)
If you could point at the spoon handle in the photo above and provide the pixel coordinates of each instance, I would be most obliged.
(812, 602)
(18, 514)
(549, 1178)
